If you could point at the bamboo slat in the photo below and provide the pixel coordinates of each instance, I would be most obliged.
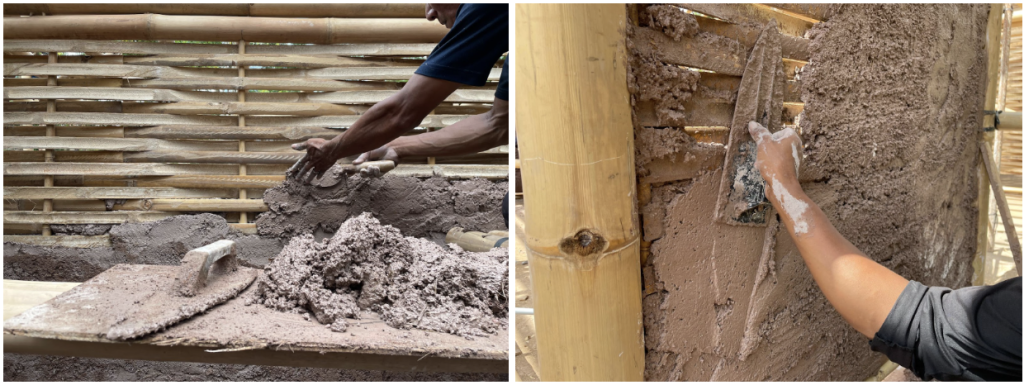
(96, 118)
(162, 95)
(72, 241)
(149, 72)
(66, 193)
(237, 9)
(149, 48)
(751, 14)
(82, 218)
(224, 28)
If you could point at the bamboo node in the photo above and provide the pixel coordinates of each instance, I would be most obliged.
(584, 243)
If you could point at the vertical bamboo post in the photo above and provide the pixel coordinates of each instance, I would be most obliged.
(243, 217)
(579, 182)
(994, 29)
(51, 106)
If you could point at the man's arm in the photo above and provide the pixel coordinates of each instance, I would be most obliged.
(380, 124)
(473, 134)
(862, 290)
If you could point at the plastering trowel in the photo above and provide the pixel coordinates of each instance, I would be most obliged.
(741, 195)
(131, 301)
(339, 172)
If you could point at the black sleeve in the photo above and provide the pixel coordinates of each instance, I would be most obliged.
(468, 51)
(973, 333)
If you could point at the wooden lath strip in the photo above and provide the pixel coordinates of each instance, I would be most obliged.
(96, 118)
(751, 14)
(147, 48)
(165, 72)
(71, 241)
(346, 10)
(225, 28)
(83, 218)
(459, 171)
(162, 95)
(112, 193)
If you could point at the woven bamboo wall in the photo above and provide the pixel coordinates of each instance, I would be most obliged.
(195, 110)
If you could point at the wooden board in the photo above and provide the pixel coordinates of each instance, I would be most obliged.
(257, 341)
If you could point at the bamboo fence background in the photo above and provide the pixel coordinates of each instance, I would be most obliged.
(137, 112)
(1000, 266)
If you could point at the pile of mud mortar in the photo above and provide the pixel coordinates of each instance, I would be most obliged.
(410, 282)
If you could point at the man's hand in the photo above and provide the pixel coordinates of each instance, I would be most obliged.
(385, 152)
(778, 154)
(444, 13)
(319, 158)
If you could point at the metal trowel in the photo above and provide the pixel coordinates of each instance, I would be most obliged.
(741, 195)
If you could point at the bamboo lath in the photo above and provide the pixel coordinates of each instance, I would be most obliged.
(170, 108)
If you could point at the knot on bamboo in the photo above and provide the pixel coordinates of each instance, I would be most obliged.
(584, 243)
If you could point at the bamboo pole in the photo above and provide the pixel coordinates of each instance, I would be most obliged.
(242, 170)
(1004, 209)
(371, 10)
(224, 28)
(51, 131)
(994, 30)
(576, 152)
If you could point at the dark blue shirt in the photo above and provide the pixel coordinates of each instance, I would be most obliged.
(469, 50)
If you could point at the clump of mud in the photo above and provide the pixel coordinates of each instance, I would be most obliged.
(672, 21)
(666, 85)
(410, 282)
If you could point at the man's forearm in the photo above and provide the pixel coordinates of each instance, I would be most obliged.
(473, 134)
(379, 125)
(862, 290)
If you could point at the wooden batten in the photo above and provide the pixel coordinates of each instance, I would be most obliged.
(576, 153)
(224, 28)
(407, 10)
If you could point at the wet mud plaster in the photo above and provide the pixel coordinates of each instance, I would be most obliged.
(411, 283)
(889, 131)
(423, 208)
(162, 242)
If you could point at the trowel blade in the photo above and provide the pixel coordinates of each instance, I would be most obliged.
(741, 197)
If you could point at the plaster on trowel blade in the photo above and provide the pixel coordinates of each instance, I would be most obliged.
(741, 199)
(339, 172)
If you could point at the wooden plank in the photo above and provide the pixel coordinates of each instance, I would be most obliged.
(750, 14)
(246, 108)
(20, 296)
(141, 71)
(267, 60)
(813, 11)
(163, 95)
(233, 157)
(215, 205)
(691, 52)
(114, 144)
(65, 156)
(111, 193)
(262, 84)
(432, 121)
(792, 47)
(371, 10)
(220, 132)
(85, 132)
(98, 59)
(83, 218)
(71, 241)
(224, 28)
(101, 118)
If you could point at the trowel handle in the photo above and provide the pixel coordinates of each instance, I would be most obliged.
(382, 165)
(214, 252)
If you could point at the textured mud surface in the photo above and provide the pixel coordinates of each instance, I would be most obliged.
(20, 367)
(409, 282)
(893, 96)
(418, 208)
